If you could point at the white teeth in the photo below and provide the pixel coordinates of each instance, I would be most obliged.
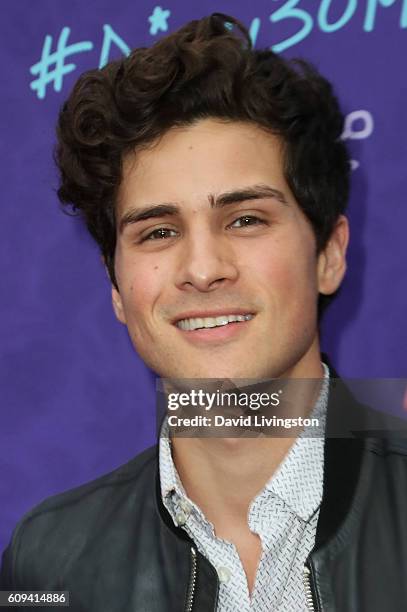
(198, 322)
(222, 320)
(209, 322)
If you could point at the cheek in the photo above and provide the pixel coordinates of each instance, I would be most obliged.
(141, 284)
(286, 272)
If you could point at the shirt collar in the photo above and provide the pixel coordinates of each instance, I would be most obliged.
(169, 477)
(298, 481)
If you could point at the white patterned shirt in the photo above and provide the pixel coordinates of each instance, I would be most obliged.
(284, 515)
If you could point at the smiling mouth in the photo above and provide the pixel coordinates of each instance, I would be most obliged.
(192, 324)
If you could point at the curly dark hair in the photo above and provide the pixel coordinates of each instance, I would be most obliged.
(206, 69)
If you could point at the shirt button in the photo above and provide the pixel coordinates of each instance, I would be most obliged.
(223, 574)
(186, 506)
(181, 518)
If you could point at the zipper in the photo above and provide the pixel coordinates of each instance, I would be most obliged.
(309, 596)
(192, 581)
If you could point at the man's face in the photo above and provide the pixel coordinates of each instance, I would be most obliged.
(208, 227)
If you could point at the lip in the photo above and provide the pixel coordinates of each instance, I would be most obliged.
(201, 314)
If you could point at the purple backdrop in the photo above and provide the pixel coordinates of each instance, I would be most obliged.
(75, 399)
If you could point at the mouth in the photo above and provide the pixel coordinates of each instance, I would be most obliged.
(213, 328)
(210, 322)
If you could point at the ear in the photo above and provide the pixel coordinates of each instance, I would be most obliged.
(116, 299)
(118, 306)
(332, 260)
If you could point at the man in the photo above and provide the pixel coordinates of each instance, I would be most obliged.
(214, 180)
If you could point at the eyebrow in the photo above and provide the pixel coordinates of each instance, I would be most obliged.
(236, 196)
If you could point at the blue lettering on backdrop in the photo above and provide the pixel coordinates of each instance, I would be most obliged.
(52, 68)
(48, 59)
(110, 37)
(254, 30)
(323, 15)
(158, 20)
(292, 10)
(370, 17)
(289, 11)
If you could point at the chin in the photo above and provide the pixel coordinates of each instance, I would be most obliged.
(221, 372)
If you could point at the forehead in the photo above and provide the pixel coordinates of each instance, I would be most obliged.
(210, 156)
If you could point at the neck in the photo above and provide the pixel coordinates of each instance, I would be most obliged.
(223, 475)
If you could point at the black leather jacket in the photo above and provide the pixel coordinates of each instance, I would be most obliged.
(112, 544)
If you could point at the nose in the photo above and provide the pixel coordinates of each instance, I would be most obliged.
(207, 262)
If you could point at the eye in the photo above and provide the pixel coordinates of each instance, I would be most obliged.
(246, 221)
(159, 234)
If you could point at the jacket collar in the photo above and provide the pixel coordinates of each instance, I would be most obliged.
(342, 459)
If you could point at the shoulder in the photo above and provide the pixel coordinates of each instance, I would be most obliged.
(140, 469)
(73, 518)
(349, 417)
(388, 433)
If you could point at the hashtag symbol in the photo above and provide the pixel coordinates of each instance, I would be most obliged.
(51, 67)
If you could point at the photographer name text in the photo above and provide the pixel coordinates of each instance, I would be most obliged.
(249, 420)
